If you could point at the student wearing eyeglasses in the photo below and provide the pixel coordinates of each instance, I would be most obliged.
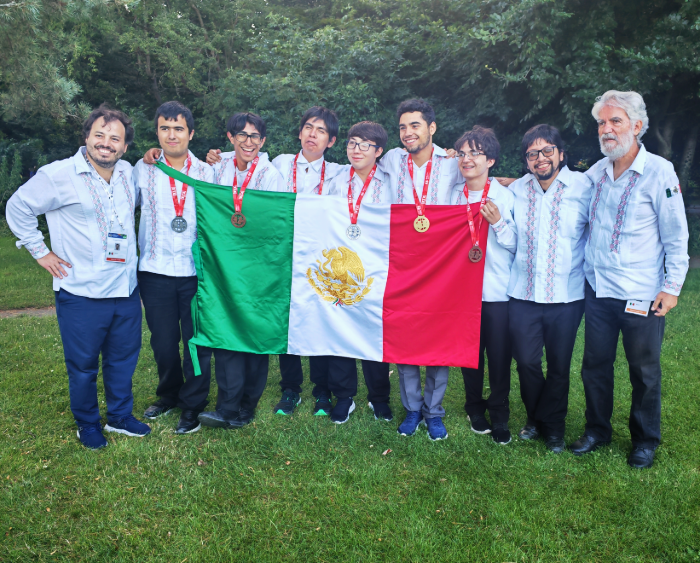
(547, 281)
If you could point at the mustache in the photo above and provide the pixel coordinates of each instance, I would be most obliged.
(609, 137)
(110, 149)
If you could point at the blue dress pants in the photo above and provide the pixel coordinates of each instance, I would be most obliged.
(89, 327)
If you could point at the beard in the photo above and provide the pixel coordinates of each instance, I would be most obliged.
(547, 175)
(105, 161)
(418, 146)
(624, 144)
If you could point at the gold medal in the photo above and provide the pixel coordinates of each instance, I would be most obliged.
(421, 224)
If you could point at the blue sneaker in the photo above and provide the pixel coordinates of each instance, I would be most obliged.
(90, 435)
(342, 409)
(436, 428)
(411, 423)
(129, 426)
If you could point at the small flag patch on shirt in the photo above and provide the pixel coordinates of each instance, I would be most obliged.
(668, 192)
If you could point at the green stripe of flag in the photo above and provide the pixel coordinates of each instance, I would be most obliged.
(245, 275)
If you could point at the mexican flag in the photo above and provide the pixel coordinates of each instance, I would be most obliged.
(292, 281)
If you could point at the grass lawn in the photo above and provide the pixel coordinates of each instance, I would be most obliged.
(23, 283)
(303, 489)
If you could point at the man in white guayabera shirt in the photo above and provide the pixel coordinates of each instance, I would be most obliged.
(636, 263)
(89, 203)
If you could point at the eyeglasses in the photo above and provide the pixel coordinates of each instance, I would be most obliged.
(471, 154)
(242, 137)
(364, 147)
(546, 151)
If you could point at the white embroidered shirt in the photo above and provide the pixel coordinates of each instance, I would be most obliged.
(266, 177)
(308, 173)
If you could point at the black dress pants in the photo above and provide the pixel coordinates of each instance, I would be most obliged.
(240, 376)
(292, 376)
(334, 374)
(552, 326)
(495, 342)
(166, 300)
(377, 381)
(641, 339)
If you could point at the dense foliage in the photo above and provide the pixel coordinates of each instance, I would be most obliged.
(503, 63)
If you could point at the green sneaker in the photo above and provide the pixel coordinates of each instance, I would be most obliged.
(323, 405)
(288, 403)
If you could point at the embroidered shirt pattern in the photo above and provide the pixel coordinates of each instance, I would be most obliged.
(100, 216)
(218, 174)
(596, 201)
(500, 226)
(621, 212)
(530, 240)
(403, 168)
(290, 177)
(552, 242)
(673, 286)
(376, 190)
(127, 191)
(37, 250)
(435, 179)
(152, 211)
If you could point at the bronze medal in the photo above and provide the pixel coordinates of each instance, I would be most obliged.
(421, 223)
(475, 253)
(238, 220)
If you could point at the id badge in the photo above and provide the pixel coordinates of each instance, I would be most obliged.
(117, 245)
(636, 307)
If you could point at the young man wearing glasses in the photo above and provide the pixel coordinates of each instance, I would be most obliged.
(422, 174)
(306, 172)
(547, 280)
(491, 204)
(367, 184)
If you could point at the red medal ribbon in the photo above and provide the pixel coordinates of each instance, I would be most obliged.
(356, 211)
(294, 175)
(420, 205)
(238, 200)
(179, 205)
(475, 231)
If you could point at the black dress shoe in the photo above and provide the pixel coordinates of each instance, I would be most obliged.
(243, 418)
(213, 419)
(529, 432)
(555, 444)
(188, 423)
(641, 458)
(586, 444)
(157, 409)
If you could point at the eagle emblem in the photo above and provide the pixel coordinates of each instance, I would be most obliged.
(340, 278)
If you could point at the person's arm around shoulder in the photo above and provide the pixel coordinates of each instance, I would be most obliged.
(35, 198)
(673, 231)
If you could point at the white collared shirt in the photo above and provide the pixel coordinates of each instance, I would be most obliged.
(163, 251)
(266, 177)
(638, 225)
(308, 173)
(72, 195)
(552, 229)
(443, 175)
(502, 239)
(378, 191)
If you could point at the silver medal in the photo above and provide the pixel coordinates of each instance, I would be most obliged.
(179, 225)
(353, 232)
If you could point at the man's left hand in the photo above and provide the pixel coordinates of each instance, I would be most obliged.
(663, 303)
(490, 212)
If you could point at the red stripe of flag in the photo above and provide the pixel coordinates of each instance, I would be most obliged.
(432, 302)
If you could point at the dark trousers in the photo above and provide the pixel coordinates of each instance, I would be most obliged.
(240, 376)
(335, 375)
(291, 372)
(167, 301)
(89, 327)
(641, 339)
(552, 326)
(377, 381)
(495, 342)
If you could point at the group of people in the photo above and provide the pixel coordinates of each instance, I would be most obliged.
(610, 242)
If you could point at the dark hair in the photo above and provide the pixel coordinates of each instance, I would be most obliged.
(481, 139)
(416, 104)
(236, 123)
(170, 111)
(109, 114)
(548, 134)
(328, 116)
(370, 131)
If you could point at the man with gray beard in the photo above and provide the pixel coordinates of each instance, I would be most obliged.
(637, 226)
